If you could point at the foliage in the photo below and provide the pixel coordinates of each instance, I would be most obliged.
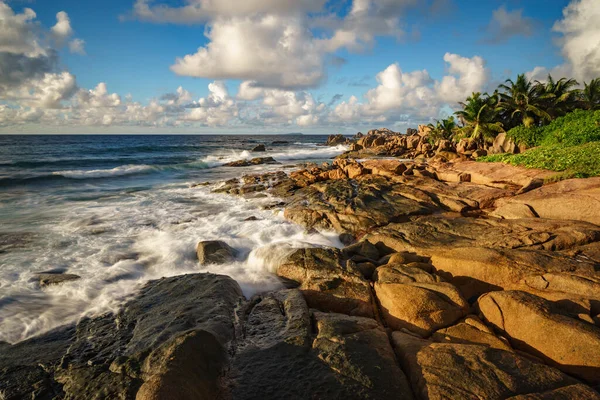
(575, 128)
(479, 118)
(523, 101)
(576, 161)
(523, 135)
(444, 129)
(590, 95)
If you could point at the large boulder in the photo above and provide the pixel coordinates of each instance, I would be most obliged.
(327, 281)
(412, 299)
(469, 371)
(214, 252)
(334, 140)
(283, 353)
(260, 147)
(539, 327)
(502, 144)
(169, 341)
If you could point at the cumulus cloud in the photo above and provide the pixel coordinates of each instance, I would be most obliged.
(506, 24)
(62, 30)
(275, 51)
(580, 43)
(415, 94)
(274, 43)
(28, 64)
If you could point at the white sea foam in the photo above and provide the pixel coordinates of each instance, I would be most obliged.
(104, 173)
(119, 245)
(308, 152)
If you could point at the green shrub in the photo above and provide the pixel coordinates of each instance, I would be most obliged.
(528, 136)
(575, 161)
(575, 128)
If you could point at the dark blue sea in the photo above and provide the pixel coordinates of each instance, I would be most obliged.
(119, 210)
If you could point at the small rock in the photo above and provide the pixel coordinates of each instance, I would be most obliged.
(260, 147)
(214, 252)
(47, 279)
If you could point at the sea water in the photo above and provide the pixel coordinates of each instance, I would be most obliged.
(119, 210)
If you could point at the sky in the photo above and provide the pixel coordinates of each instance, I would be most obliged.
(275, 66)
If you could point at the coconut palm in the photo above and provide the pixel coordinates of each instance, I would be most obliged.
(557, 97)
(521, 100)
(479, 118)
(444, 129)
(590, 95)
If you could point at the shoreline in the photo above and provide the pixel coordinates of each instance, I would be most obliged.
(444, 263)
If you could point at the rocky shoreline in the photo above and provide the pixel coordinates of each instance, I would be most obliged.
(459, 280)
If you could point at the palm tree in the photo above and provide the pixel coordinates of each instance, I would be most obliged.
(479, 118)
(590, 95)
(557, 97)
(521, 100)
(444, 129)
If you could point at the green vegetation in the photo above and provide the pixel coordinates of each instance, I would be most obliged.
(523, 109)
(559, 122)
(575, 162)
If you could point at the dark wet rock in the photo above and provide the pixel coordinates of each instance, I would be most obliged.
(260, 147)
(214, 252)
(47, 279)
(254, 161)
(457, 371)
(328, 282)
(170, 340)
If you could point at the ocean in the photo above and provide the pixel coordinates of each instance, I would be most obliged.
(119, 210)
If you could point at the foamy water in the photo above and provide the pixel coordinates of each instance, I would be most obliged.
(118, 230)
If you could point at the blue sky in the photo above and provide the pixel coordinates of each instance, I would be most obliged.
(133, 54)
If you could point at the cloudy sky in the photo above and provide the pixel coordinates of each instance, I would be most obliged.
(267, 66)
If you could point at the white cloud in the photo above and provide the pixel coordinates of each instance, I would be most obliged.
(580, 43)
(274, 43)
(77, 46)
(467, 75)
(17, 32)
(581, 38)
(273, 50)
(415, 94)
(62, 30)
(506, 24)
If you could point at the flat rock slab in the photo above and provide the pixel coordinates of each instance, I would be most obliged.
(484, 173)
(572, 199)
(478, 270)
(433, 234)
